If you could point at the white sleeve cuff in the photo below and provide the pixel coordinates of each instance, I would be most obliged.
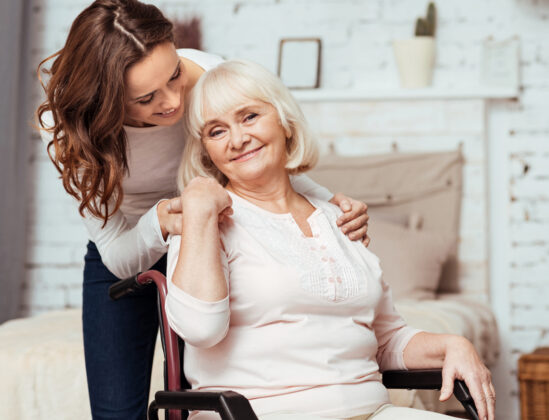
(149, 227)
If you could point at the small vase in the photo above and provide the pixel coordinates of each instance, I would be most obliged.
(415, 59)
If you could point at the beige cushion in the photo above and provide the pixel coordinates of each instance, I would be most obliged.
(396, 185)
(411, 260)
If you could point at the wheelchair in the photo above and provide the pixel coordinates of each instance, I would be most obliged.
(177, 398)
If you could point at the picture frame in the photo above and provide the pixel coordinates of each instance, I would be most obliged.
(500, 62)
(299, 62)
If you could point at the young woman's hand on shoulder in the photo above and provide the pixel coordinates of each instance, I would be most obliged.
(354, 220)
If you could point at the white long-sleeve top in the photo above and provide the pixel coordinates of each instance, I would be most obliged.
(308, 322)
(132, 241)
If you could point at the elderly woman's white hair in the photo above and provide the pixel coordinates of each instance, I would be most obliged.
(227, 86)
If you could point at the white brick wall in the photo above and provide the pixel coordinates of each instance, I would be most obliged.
(357, 37)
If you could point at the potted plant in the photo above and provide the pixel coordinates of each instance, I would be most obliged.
(415, 57)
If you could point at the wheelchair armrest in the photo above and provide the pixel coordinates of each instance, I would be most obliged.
(429, 379)
(229, 404)
(413, 379)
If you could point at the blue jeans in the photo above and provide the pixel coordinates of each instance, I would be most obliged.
(119, 341)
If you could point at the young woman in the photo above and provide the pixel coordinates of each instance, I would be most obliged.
(112, 122)
(272, 300)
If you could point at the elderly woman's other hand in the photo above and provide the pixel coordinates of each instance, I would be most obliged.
(459, 360)
(463, 362)
(354, 220)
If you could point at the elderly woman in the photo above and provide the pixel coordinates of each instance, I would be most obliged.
(271, 298)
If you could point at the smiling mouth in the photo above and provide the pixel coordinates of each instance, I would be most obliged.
(248, 155)
(169, 113)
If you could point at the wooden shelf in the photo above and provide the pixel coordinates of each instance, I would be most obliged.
(432, 93)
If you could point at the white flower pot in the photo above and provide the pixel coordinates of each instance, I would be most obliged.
(415, 58)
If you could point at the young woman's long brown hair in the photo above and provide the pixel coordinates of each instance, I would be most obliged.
(85, 95)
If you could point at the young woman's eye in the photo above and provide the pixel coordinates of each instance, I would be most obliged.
(176, 75)
(146, 101)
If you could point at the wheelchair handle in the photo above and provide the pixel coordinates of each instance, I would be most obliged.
(126, 286)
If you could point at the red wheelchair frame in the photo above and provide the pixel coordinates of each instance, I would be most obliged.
(177, 399)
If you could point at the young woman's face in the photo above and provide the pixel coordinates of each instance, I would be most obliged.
(246, 143)
(155, 88)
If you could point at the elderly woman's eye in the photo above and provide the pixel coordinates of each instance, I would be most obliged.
(216, 133)
(250, 116)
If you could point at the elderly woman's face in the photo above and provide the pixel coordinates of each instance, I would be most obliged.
(246, 143)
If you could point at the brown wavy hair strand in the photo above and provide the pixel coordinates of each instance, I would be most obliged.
(85, 95)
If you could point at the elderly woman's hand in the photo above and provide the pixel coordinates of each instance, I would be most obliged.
(463, 362)
(205, 197)
(354, 220)
(205, 192)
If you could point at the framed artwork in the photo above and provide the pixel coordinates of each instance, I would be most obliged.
(299, 62)
(500, 62)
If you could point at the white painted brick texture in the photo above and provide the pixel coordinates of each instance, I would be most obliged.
(357, 38)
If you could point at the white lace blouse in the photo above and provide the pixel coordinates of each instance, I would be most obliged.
(308, 322)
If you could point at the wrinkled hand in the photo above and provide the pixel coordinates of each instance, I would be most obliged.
(463, 362)
(206, 197)
(202, 195)
(354, 220)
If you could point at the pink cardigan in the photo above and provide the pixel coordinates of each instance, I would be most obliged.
(308, 323)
